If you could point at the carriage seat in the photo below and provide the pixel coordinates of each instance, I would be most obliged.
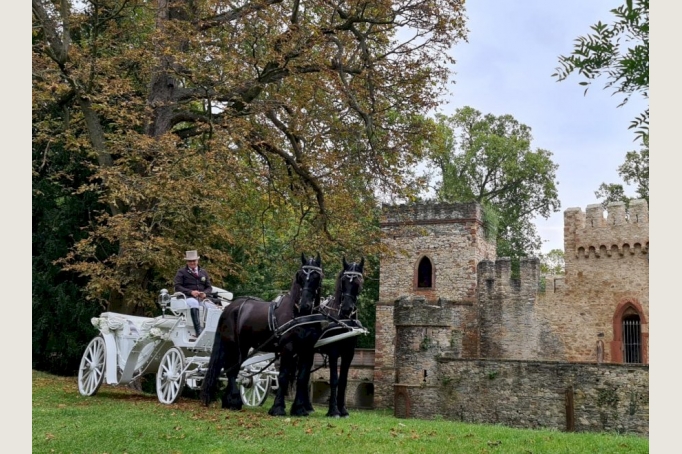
(178, 305)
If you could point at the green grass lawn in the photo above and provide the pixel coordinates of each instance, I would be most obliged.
(119, 420)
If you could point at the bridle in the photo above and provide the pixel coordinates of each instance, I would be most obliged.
(308, 270)
(354, 298)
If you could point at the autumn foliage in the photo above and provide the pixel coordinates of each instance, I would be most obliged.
(251, 131)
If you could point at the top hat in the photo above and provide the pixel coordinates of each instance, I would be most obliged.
(191, 255)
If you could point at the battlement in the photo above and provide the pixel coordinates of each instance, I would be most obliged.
(619, 231)
(498, 273)
(430, 213)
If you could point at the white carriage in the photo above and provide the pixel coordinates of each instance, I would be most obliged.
(131, 346)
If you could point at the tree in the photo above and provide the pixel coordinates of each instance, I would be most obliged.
(552, 263)
(635, 171)
(246, 131)
(620, 52)
(488, 159)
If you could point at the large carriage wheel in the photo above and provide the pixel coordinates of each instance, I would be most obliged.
(170, 378)
(255, 389)
(91, 370)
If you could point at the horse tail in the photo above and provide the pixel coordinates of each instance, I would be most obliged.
(215, 366)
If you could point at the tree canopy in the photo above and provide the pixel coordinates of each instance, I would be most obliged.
(618, 51)
(488, 159)
(634, 171)
(248, 130)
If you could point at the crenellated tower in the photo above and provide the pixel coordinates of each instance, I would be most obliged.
(429, 268)
(590, 234)
(601, 310)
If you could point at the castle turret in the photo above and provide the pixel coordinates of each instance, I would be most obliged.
(431, 265)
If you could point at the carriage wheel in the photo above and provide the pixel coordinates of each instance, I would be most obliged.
(170, 379)
(91, 370)
(255, 389)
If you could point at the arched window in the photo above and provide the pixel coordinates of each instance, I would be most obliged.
(630, 343)
(632, 339)
(425, 273)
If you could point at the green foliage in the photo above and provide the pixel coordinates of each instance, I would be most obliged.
(553, 263)
(61, 312)
(620, 52)
(488, 159)
(491, 221)
(118, 420)
(425, 344)
(634, 171)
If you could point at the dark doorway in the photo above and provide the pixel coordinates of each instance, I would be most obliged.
(425, 273)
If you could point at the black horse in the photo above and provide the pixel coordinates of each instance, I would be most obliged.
(343, 306)
(251, 323)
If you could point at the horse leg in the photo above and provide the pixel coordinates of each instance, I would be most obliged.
(307, 398)
(333, 411)
(347, 354)
(232, 399)
(214, 368)
(305, 364)
(278, 407)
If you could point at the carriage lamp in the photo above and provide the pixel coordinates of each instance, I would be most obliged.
(164, 299)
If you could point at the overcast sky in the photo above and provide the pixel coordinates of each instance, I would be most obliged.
(506, 67)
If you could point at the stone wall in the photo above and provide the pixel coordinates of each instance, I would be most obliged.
(509, 326)
(532, 394)
(360, 387)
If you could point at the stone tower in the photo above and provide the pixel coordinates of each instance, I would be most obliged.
(427, 290)
(603, 299)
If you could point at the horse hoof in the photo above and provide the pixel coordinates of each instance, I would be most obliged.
(276, 412)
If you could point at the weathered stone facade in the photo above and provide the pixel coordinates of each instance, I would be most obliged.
(451, 237)
(474, 309)
(607, 277)
(532, 394)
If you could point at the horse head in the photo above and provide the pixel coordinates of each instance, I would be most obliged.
(309, 279)
(351, 280)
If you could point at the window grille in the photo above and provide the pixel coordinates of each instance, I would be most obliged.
(632, 340)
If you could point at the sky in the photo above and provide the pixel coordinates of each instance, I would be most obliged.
(505, 67)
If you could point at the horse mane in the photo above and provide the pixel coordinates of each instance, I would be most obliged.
(295, 290)
(336, 300)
